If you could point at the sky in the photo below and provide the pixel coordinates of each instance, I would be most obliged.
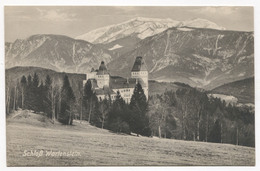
(24, 21)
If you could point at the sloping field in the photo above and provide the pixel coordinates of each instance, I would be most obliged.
(32, 137)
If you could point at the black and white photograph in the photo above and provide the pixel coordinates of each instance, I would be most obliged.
(129, 85)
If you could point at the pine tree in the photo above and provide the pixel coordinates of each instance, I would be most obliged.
(41, 95)
(23, 89)
(48, 82)
(48, 97)
(96, 114)
(67, 100)
(139, 122)
(29, 78)
(88, 99)
(28, 94)
(116, 117)
(35, 80)
(215, 134)
(36, 94)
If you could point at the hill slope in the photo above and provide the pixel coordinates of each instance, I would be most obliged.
(76, 80)
(96, 147)
(199, 57)
(56, 52)
(13, 75)
(243, 90)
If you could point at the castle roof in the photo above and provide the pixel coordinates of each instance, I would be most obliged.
(102, 69)
(139, 64)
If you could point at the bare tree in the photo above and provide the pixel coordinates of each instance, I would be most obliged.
(52, 95)
(14, 100)
(8, 98)
(104, 109)
(158, 112)
(184, 101)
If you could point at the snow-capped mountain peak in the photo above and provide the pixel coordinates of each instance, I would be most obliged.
(202, 23)
(141, 28)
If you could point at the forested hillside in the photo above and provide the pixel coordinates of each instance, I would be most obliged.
(243, 90)
(175, 111)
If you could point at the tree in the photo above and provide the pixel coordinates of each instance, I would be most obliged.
(35, 81)
(157, 113)
(41, 95)
(88, 98)
(32, 96)
(15, 95)
(81, 94)
(183, 103)
(8, 99)
(200, 101)
(215, 134)
(139, 122)
(50, 100)
(117, 116)
(67, 100)
(23, 89)
(161, 110)
(104, 109)
(95, 112)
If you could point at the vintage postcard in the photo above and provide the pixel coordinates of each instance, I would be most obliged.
(129, 85)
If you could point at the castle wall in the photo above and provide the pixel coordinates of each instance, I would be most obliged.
(102, 80)
(126, 93)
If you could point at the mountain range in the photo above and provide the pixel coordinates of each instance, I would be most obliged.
(200, 57)
(141, 28)
(197, 52)
(57, 52)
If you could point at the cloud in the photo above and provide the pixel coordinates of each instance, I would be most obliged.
(56, 15)
(216, 10)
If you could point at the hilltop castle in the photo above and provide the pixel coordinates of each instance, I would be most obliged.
(105, 85)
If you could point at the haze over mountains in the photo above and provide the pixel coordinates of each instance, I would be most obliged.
(197, 52)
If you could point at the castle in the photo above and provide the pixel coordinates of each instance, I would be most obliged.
(105, 85)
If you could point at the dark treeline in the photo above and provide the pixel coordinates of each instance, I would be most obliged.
(116, 115)
(55, 100)
(189, 114)
(186, 114)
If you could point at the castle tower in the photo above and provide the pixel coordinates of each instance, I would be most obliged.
(140, 73)
(102, 76)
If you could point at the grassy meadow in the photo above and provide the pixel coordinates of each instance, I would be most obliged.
(92, 146)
